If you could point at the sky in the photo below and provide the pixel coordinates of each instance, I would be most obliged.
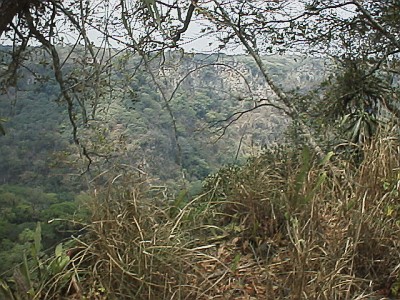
(193, 40)
(108, 15)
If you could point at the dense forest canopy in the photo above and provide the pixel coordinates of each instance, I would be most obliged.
(361, 36)
(132, 127)
(265, 167)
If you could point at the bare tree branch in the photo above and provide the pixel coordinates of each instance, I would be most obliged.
(237, 115)
(10, 9)
(290, 109)
(186, 23)
(375, 24)
(60, 79)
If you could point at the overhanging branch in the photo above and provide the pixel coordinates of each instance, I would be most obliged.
(60, 80)
(10, 9)
(186, 23)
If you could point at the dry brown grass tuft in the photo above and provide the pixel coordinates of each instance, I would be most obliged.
(285, 226)
(132, 249)
(340, 238)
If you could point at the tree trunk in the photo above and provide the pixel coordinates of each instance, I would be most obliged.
(10, 9)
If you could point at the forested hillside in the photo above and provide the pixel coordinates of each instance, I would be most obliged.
(134, 126)
(133, 130)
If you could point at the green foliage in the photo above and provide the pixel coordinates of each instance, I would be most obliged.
(146, 270)
(266, 191)
(279, 212)
(307, 192)
(335, 222)
(359, 126)
(29, 277)
(61, 260)
(302, 175)
(130, 125)
(21, 209)
(356, 100)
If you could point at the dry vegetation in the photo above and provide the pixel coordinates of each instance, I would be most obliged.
(284, 226)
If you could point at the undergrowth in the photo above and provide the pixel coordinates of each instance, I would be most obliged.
(284, 226)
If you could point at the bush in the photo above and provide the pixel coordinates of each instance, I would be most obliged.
(284, 226)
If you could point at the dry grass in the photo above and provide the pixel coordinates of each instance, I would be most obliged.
(340, 233)
(285, 226)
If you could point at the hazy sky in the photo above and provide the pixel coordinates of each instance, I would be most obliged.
(109, 11)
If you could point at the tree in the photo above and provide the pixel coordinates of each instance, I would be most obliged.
(362, 38)
(349, 31)
(10, 9)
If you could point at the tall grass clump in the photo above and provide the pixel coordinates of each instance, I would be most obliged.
(132, 248)
(286, 225)
(333, 225)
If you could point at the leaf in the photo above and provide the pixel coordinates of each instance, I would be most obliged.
(356, 131)
(178, 203)
(5, 290)
(38, 238)
(235, 262)
(345, 119)
(320, 181)
(395, 288)
(59, 250)
(25, 271)
(327, 158)
(305, 166)
(389, 211)
(60, 261)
